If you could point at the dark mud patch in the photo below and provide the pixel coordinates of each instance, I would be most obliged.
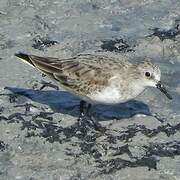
(112, 165)
(167, 149)
(153, 153)
(163, 34)
(116, 45)
(42, 43)
(3, 146)
(132, 130)
(88, 136)
(13, 97)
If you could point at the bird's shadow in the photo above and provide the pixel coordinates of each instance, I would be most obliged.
(66, 103)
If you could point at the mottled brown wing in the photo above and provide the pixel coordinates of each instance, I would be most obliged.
(74, 75)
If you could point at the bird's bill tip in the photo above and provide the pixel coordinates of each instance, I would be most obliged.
(161, 87)
(20, 55)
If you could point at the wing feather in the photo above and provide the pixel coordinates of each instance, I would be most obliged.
(79, 75)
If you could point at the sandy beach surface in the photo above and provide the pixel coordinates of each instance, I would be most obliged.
(40, 137)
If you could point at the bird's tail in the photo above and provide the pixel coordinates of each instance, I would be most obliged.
(25, 58)
(47, 65)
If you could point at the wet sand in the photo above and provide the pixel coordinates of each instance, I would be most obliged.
(40, 137)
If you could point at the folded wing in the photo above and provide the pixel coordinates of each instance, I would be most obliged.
(77, 76)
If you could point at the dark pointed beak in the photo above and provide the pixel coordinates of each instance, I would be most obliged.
(163, 90)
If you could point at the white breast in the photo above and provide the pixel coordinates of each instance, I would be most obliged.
(109, 95)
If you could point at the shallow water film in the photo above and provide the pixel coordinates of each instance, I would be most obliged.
(40, 136)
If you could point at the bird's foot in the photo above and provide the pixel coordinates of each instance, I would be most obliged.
(89, 122)
(86, 119)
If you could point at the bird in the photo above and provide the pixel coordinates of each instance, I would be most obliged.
(99, 79)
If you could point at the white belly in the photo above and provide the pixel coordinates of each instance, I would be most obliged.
(109, 95)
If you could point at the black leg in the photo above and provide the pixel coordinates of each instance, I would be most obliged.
(82, 104)
(83, 111)
(88, 110)
(85, 117)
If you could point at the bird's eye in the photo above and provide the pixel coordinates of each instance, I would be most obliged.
(147, 74)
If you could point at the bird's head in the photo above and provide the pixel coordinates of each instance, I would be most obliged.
(149, 74)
